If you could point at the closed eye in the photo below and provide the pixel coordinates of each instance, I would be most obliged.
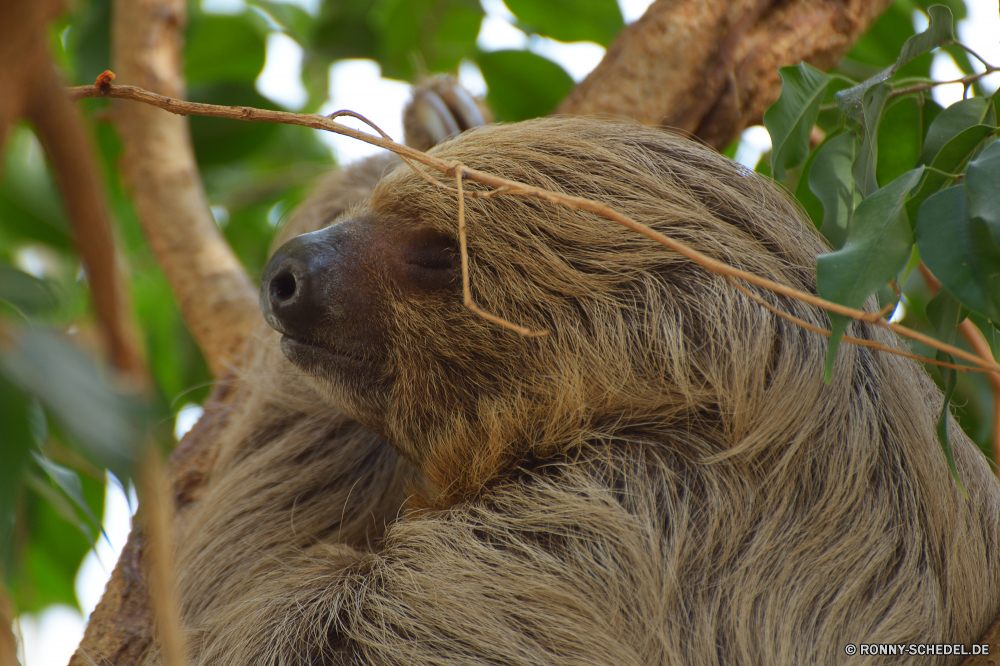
(428, 259)
(434, 263)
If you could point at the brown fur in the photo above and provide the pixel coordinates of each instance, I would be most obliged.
(664, 479)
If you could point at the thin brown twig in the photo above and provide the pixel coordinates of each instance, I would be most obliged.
(875, 316)
(846, 338)
(965, 81)
(354, 114)
(463, 250)
(514, 187)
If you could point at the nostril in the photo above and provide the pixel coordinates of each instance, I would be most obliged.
(290, 293)
(283, 286)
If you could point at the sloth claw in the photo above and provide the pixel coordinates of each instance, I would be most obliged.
(440, 108)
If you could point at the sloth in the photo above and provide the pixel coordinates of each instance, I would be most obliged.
(663, 478)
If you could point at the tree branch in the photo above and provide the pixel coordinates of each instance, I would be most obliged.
(213, 291)
(22, 54)
(710, 67)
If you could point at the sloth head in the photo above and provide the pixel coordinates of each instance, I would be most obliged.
(641, 340)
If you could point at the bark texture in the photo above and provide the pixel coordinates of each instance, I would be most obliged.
(22, 54)
(710, 68)
(214, 293)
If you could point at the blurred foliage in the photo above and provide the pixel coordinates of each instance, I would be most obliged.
(898, 180)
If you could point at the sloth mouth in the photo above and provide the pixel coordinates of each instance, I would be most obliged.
(313, 357)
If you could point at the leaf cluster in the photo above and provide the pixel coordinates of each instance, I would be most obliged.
(895, 180)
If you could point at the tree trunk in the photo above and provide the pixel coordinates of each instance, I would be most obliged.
(711, 68)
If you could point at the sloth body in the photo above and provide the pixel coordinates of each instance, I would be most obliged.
(662, 479)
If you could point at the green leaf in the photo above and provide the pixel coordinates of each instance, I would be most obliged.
(878, 245)
(945, 313)
(89, 40)
(107, 423)
(223, 48)
(831, 181)
(900, 133)
(47, 563)
(831, 118)
(431, 35)
(879, 47)
(68, 481)
(62, 506)
(764, 165)
(949, 159)
(250, 235)
(940, 30)
(931, 111)
(15, 451)
(812, 205)
(174, 357)
(26, 292)
(866, 163)
(30, 204)
(982, 184)
(730, 150)
(570, 20)
(953, 121)
(343, 30)
(957, 7)
(522, 84)
(961, 251)
(790, 120)
(49, 554)
(294, 21)
(851, 101)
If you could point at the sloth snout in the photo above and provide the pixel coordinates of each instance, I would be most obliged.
(289, 297)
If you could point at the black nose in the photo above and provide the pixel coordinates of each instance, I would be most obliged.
(293, 291)
(284, 293)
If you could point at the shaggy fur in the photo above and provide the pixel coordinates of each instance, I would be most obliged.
(664, 479)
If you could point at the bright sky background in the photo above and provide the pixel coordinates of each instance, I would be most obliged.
(50, 638)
